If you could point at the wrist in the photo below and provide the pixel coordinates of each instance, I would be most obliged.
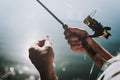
(47, 71)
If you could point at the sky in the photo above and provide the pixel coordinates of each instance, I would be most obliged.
(22, 22)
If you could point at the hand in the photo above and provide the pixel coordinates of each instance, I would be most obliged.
(78, 38)
(75, 37)
(41, 55)
(41, 52)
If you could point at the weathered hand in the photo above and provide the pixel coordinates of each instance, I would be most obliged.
(41, 52)
(80, 42)
(75, 37)
(41, 55)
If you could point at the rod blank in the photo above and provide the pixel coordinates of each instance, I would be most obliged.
(51, 13)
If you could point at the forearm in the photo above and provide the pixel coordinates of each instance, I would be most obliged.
(101, 55)
(47, 72)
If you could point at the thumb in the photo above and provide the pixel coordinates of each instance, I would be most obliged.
(47, 42)
(46, 46)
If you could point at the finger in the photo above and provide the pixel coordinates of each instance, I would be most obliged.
(75, 43)
(37, 48)
(67, 32)
(75, 32)
(48, 43)
(77, 48)
(41, 42)
(71, 38)
(70, 31)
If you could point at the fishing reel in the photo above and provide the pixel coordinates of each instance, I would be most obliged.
(99, 30)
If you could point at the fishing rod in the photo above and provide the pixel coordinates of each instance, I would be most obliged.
(85, 44)
(64, 25)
